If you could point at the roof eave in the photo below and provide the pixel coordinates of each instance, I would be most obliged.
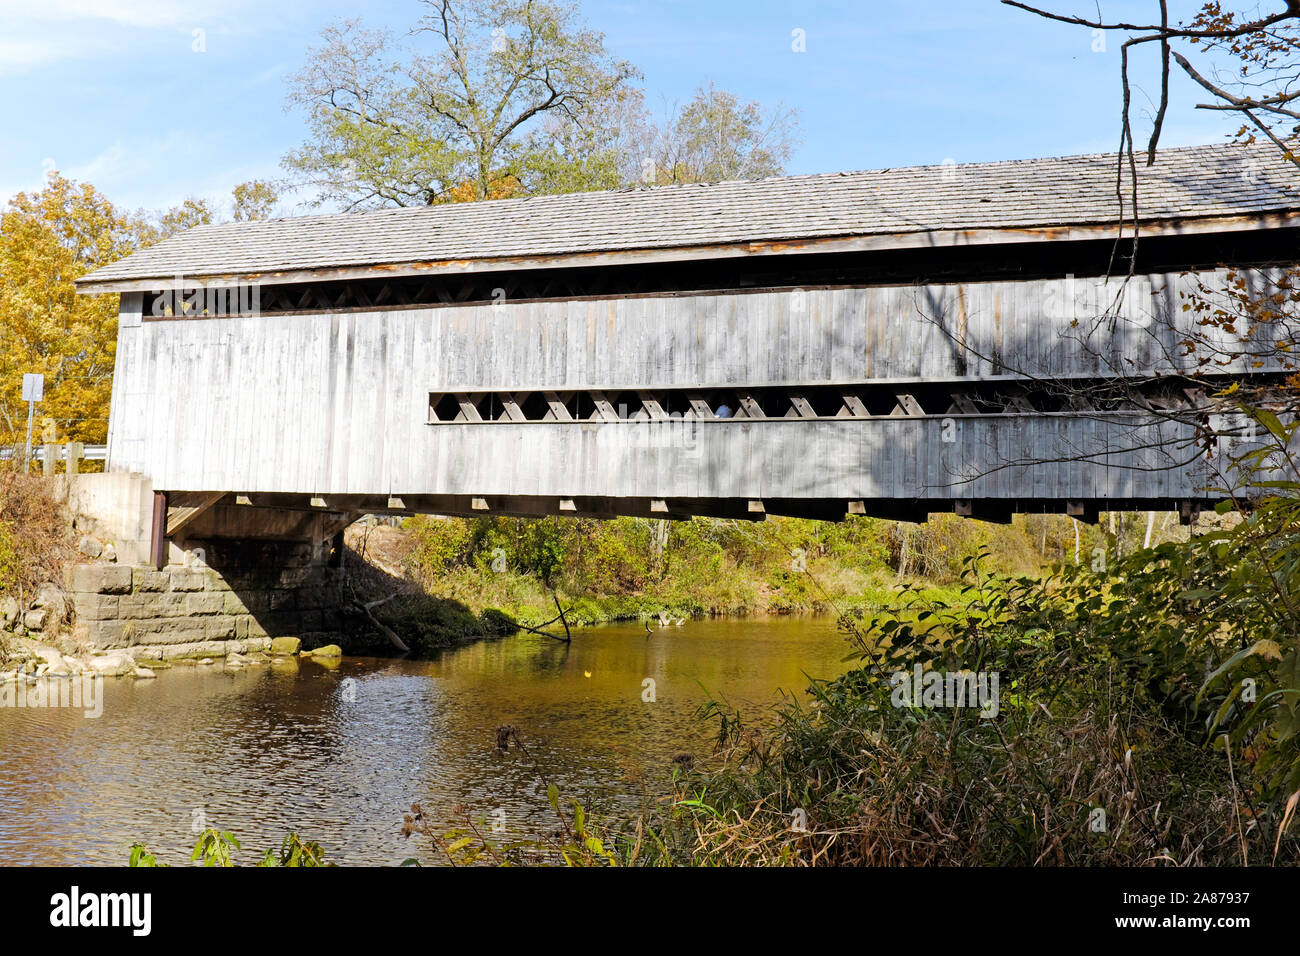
(918, 238)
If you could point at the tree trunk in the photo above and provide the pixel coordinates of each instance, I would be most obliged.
(659, 543)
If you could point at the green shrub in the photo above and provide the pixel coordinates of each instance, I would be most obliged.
(1104, 707)
(497, 623)
(628, 567)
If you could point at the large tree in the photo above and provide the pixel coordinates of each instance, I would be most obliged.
(255, 199)
(451, 115)
(607, 151)
(249, 201)
(514, 98)
(716, 136)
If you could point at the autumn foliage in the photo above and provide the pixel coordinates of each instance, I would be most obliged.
(47, 240)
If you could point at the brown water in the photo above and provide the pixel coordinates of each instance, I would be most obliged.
(340, 754)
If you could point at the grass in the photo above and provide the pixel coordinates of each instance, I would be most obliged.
(33, 534)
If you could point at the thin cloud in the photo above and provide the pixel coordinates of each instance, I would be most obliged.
(146, 14)
(33, 35)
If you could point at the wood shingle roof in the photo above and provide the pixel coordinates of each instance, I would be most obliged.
(910, 203)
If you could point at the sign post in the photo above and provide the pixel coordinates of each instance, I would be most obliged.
(33, 392)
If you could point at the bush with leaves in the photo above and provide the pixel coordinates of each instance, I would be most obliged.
(1101, 717)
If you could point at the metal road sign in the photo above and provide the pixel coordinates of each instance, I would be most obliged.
(33, 386)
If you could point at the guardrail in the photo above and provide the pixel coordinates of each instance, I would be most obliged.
(89, 452)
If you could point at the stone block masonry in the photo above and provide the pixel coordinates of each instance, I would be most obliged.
(246, 598)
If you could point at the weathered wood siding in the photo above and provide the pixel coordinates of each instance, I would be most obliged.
(337, 403)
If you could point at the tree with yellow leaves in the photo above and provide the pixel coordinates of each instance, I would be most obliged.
(48, 239)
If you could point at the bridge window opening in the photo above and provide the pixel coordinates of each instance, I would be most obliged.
(805, 402)
(584, 406)
(623, 404)
(501, 407)
(826, 402)
(675, 403)
(771, 402)
(985, 404)
(534, 406)
(1046, 401)
(563, 405)
(725, 405)
(747, 404)
(444, 408)
(721, 404)
(851, 404)
(880, 402)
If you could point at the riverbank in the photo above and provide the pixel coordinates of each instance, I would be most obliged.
(633, 569)
(69, 606)
(1137, 713)
(25, 662)
(1081, 737)
(434, 583)
(1058, 722)
(526, 600)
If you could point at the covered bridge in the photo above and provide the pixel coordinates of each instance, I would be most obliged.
(891, 342)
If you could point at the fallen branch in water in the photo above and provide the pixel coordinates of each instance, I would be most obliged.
(384, 628)
(566, 639)
(347, 580)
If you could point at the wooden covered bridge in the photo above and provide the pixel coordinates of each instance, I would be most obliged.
(892, 343)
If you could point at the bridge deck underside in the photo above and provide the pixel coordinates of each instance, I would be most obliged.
(290, 516)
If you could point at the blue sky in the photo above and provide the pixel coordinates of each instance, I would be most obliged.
(112, 91)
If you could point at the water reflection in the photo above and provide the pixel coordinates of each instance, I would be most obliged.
(339, 754)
